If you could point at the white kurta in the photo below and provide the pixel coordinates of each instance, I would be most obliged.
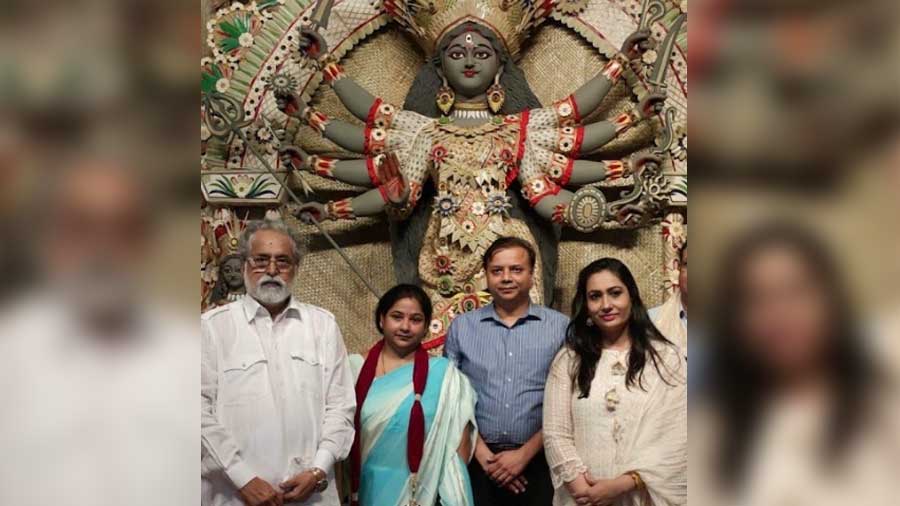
(618, 429)
(277, 398)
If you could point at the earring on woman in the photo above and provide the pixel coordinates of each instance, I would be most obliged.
(445, 97)
(589, 322)
(496, 95)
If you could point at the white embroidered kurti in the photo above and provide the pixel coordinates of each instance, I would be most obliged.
(618, 429)
(276, 397)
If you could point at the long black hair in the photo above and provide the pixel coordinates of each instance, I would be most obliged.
(585, 340)
(402, 291)
(421, 95)
(740, 382)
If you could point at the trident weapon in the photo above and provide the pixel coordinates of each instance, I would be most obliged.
(225, 116)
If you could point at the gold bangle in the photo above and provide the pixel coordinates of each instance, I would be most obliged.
(638, 482)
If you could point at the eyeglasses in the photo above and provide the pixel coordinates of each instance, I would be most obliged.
(261, 263)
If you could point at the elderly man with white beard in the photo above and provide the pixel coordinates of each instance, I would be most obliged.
(277, 393)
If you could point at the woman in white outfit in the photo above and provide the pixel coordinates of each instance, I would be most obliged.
(615, 404)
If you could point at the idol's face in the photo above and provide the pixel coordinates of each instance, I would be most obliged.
(404, 325)
(231, 273)
(509, 275)
(470, 64)
(608, 303)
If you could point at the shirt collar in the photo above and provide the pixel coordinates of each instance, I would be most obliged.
(489, 312)
(252, 308)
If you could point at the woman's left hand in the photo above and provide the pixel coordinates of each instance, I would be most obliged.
(600, 493)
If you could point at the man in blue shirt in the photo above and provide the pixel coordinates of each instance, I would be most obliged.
(506, 349)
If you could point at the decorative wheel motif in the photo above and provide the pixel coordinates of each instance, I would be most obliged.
(588, 209)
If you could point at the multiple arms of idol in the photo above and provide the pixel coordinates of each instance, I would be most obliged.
(367, 172)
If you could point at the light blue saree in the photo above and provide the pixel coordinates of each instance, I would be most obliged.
(449, 405)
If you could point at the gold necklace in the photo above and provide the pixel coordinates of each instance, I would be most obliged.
(471, 106)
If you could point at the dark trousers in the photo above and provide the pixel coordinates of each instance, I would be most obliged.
(538, 492)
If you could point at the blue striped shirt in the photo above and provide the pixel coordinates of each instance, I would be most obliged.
(507, 366)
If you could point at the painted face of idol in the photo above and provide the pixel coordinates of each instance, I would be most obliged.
(470, 64)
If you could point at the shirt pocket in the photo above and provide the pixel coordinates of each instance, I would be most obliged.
(307, 371)
(245, 379)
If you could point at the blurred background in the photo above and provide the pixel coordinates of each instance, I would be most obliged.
(795, 247)
(99, 342)
(794, 347)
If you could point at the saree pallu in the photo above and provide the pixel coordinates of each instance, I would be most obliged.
(449, 406)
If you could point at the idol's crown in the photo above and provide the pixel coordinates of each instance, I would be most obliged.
(428, 21)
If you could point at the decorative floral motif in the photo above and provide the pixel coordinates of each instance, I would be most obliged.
(223, 85)
(468, 303)
(282, 83)
(478, 208)
(241, 184)
(437, 327)
(443, 264)
(439, 154)
(245, 39)
(468, 226)
(446, 205)
(445, 286)
(498, 203)
(612, 399)
(263, 134)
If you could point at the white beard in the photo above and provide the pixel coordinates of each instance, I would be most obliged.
(264, 292)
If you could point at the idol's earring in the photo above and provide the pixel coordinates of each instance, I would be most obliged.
(445, 97)
(496, 95)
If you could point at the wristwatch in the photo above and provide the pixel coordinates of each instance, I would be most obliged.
(321, 479)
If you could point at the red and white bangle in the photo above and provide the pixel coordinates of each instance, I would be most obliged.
(617, 169)
(560, 214)
(316, 120)
(615, 67)
(322, 165)
(625, 121)
(332, 70)
(339, 209)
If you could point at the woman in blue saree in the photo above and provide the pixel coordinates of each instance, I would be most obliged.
(415, 418)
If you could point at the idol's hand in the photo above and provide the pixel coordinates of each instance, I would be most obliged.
(311, 43)
(646, 160)
(289, 104)
(636, 43)
(293, 158)
(651, 105)
(392, 180)
(309, 211)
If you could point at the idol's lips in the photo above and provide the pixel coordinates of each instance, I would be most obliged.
(470, 73)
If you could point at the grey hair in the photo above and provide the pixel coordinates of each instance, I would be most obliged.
(279, 226)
